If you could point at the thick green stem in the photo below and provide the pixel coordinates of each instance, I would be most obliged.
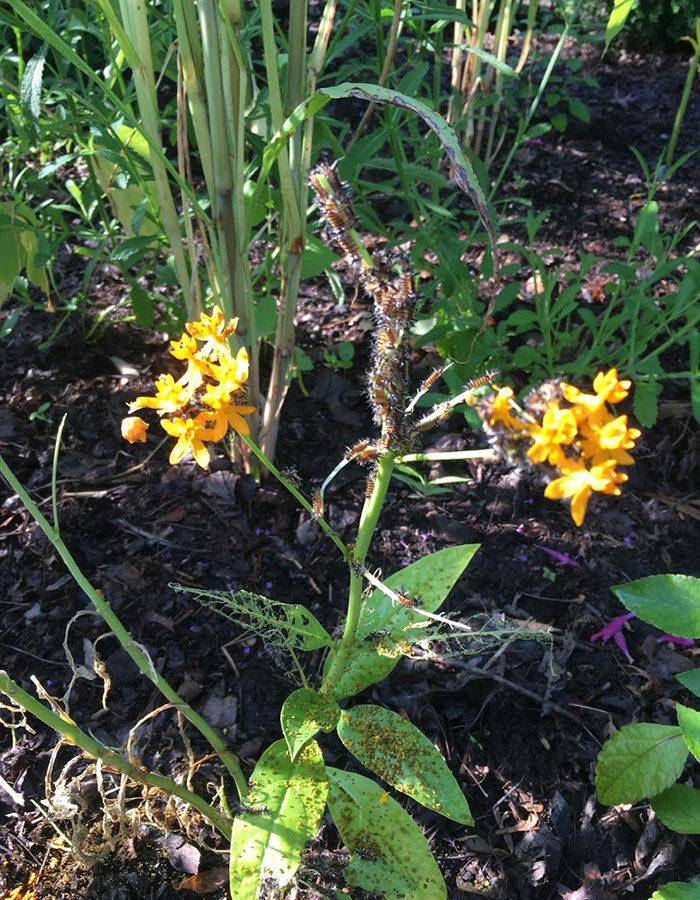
(368, 522)
(138, 655)
(71, 732)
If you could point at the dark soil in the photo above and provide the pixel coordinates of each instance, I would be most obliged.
(520, 727)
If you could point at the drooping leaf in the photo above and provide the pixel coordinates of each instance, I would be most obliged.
(403, 756)
(280, 815)
(390, 855)
(639, 761)
(678, 890)
(679, 809)
(669, 602)
(386, 630)
(304, 713)
(463, 171)
(689, 721)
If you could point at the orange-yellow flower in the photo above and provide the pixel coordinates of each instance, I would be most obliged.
(501, 410)
(559, 426)
(212, 329)
(579, 483)
(171, 396)
(610, 440)
(134, 429)
(190, 434)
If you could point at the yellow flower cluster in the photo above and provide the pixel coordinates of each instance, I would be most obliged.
(583, 440)
(201, 405)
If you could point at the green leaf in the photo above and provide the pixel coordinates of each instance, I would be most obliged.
(386, 631)
(646, 402)
(580, 111)
(390, 854)
(284, 810)
(617, 19)
(669, 602)
(403, 756)
(316, 257)
(639, 761)
(678, 808)
(9, 258)
(559, 122)
(689, 721)
(304, 713)
(462, 170)
(690, 680)
(142, 305)
(678, 890)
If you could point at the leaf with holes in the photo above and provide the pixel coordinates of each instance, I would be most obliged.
(390, 855)
(398, 752)
(281, 813)
(386, 630)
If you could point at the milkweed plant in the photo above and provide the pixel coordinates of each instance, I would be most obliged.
(277, 809)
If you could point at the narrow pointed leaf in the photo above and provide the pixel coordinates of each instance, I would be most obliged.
(678, 808)
(281, 814)
(669, 602)
(639, 761)
(403, 756)
(390, 855)
(305, 713)
(386, 630)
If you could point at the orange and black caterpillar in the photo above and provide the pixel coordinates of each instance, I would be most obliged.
(481, 381)
(334, 204)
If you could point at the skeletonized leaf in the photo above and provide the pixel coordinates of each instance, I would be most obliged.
(284, 810)
(403, 756)
(390, 855)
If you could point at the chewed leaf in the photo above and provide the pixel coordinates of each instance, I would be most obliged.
(281, 813)
(639, 761)
(403, 756)
(386, 631)
(287, 626)
(305, 713)
(390, 855)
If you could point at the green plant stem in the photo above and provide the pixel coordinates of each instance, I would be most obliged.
(75, 735)
(680, 113)
(446, 456)
(525, 124)
(137, 654)
(368, 522)
(298, 496)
